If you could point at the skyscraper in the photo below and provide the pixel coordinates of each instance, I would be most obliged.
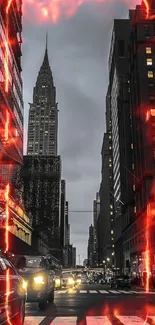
(43, 113)
(42, 165)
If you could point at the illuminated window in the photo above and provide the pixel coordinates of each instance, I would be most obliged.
(148, 50)
(109, 136)
(150, 74)
(134, 187)
(110, 148)
(110, 159)
(112, 238)
(135, 209)
(133, 166)
(111, 213)
(110, 165)
(113, 253)
(111, 206)
(112, 219)
(112, 232)
(131, 145)
(149, 61)
(113, 246)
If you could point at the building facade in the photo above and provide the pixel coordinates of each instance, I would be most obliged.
(11, 130)
(96, 211)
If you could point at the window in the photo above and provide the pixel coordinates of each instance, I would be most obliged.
(113, 245)
(110, 165)
(134, 187)
(133, 166)
(150, 74)
(112, 232)
(149, 61)
(121, 48)
(148, 50)
(131, 145)
(152, 99)
(110, 148)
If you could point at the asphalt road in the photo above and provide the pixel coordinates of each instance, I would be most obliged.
(85, 304)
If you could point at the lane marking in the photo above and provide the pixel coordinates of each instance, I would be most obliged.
(131, 320)
(97, 320)
(83, 291)
(103, 291)
(65, 320)
(92, 291)
(114, 291)
(33, 320)
(62, 291)
(71, 291)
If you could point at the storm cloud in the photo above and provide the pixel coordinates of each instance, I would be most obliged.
(78, 52)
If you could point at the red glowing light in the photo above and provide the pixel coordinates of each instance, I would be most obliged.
(146, 3)
(6, 45)
(7, 190)
(6, 128)
(147, 250)
(7, 297)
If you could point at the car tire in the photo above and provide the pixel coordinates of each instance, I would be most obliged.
(42, 304)
(51, 297)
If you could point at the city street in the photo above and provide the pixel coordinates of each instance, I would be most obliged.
(82, 305)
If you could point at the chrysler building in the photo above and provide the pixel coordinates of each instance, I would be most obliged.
(43, 114)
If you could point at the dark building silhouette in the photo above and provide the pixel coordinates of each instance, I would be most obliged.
(41, 176)
(91, 246)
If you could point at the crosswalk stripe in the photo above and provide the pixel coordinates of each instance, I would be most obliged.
(97, 320)
(83, 291)
(114, 291)
(103, 291)
(92, 291)
(65, 321)
(33, 320)
(62, 291)
(90, 320)
(126, 292)
(131, 320)
(72, 291)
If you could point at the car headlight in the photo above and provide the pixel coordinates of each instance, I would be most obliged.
(24, 285)
(39, 279)
(70, 281)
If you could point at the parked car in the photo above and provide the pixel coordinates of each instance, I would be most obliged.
(12, 307)
(121, 281)
(37, 273)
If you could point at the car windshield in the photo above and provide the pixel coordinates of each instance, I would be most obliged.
(67, 275)
(28, 262)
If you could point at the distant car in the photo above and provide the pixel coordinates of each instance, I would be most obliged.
(121, 281)
(67, 280)
(12, 309)
(78, 280)
(39, 277)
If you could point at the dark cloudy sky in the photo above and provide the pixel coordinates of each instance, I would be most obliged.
(78, 52)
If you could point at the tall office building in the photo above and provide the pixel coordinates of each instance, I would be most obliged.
(142, 105)
(105, 222)
(96, 212)
(43, 114)
(90, 249)
(121, 134)
(11, 128)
